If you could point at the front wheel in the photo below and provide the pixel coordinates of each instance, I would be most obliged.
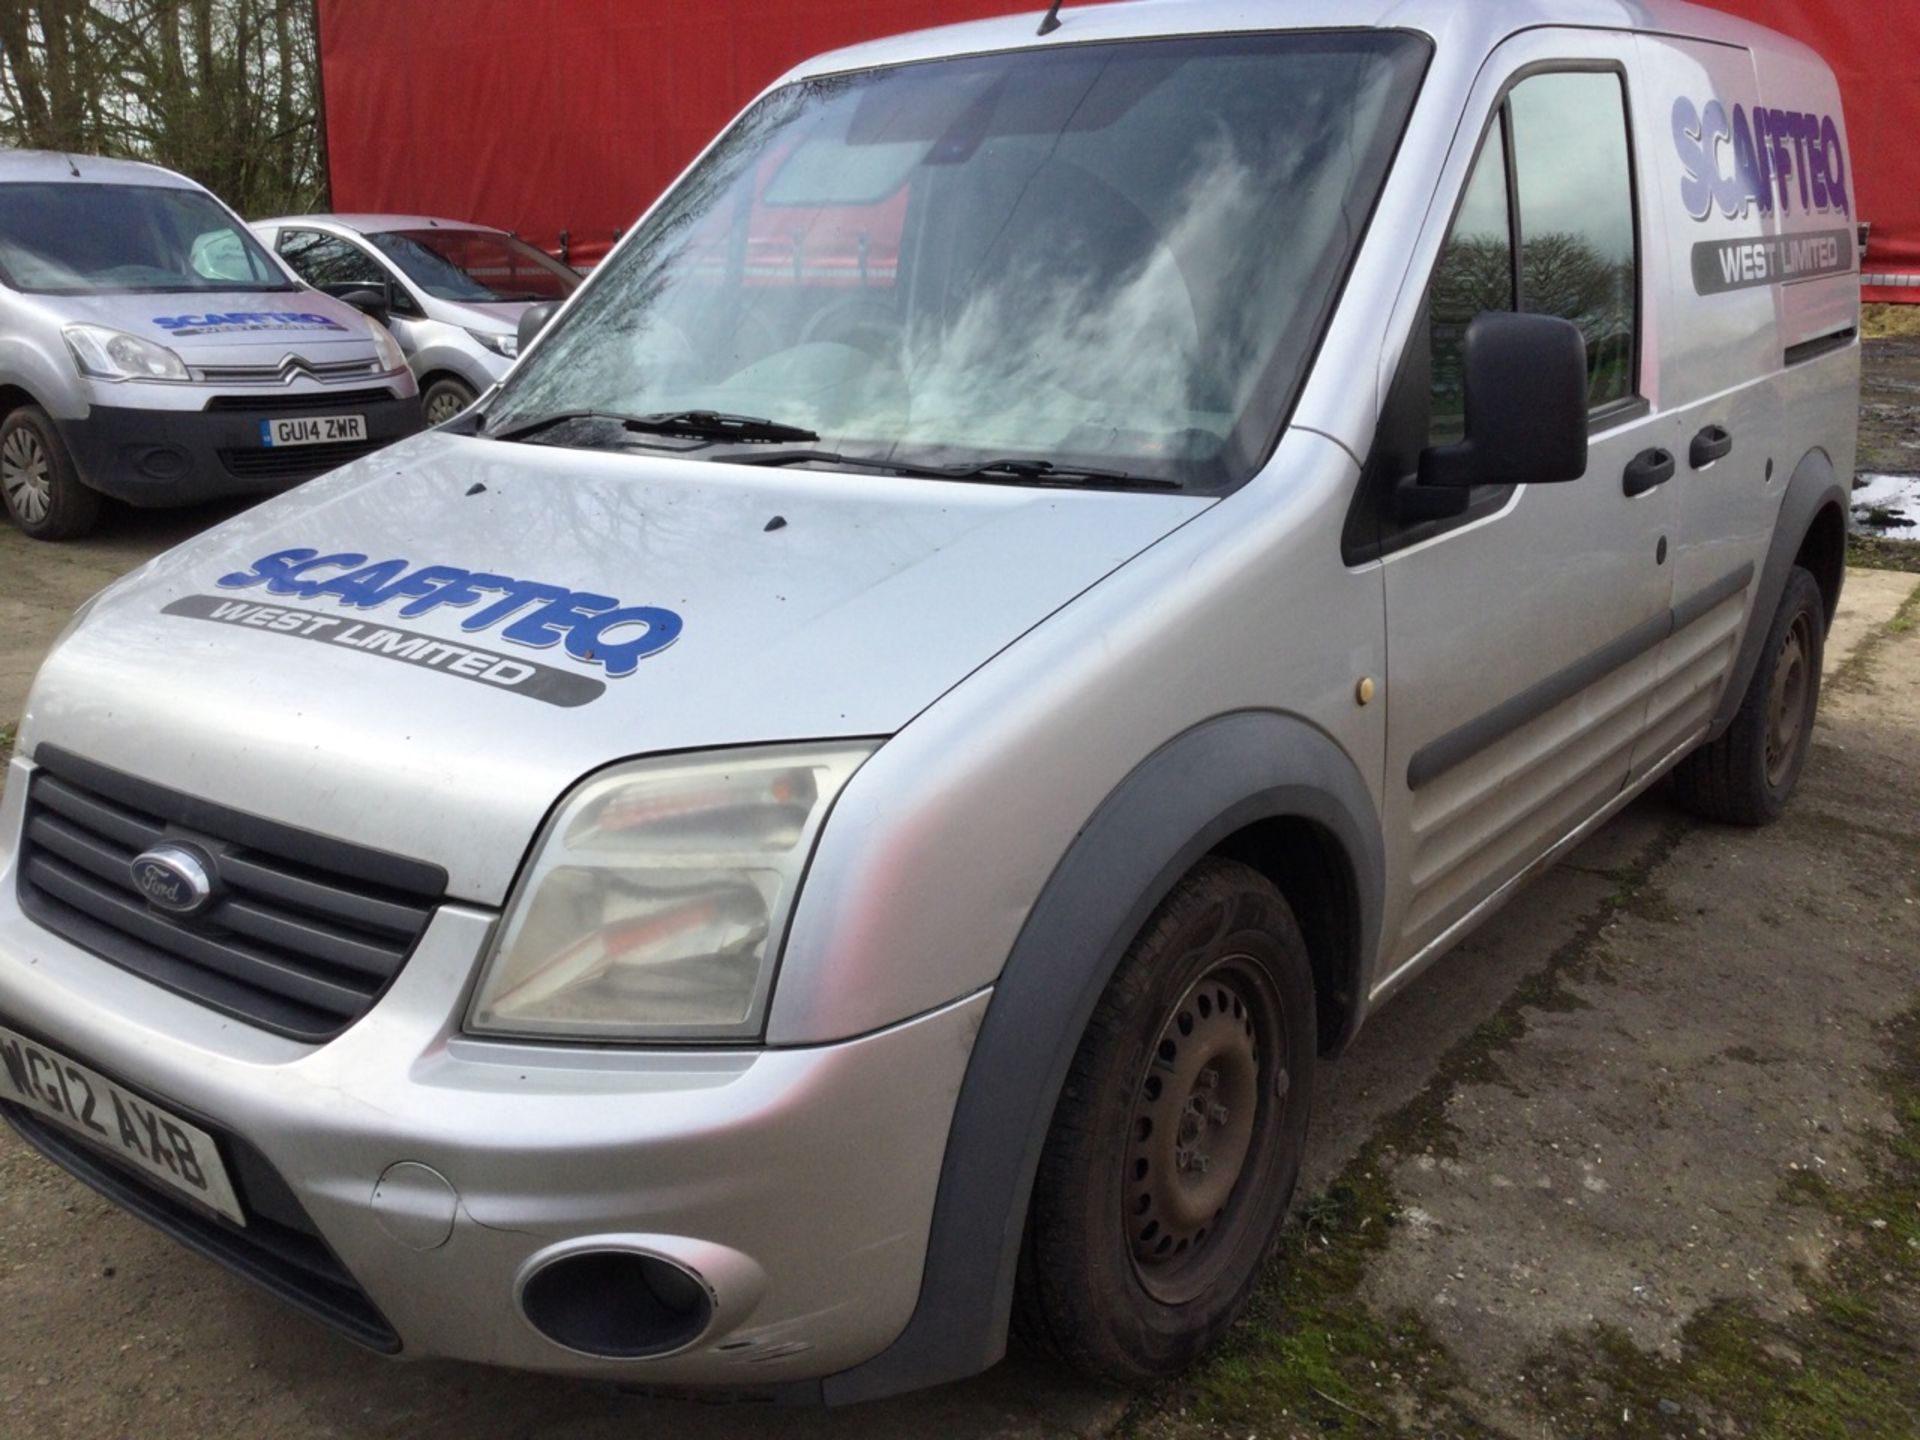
(1747, 775)
(39, 483)
(1177, 1139)
(445, 398)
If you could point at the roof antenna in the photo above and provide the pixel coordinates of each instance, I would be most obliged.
(1052, 22)
(70, 165)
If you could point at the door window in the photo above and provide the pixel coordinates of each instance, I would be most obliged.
(329, 263)
(1575, 185)
(1554, 175)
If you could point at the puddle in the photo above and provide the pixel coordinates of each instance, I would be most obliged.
(1887, 505)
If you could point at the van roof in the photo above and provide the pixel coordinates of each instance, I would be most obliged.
(379, 224)
(1470, 24)
(58, 166)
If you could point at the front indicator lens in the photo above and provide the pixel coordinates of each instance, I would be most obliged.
(658, 896)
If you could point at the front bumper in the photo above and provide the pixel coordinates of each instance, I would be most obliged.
(165, 457)
(798, 1184)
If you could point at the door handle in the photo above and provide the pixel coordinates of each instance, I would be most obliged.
(1646, 470)
(1715, 442)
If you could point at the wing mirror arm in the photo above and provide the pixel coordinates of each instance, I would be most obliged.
(533, 320)
(376, 305)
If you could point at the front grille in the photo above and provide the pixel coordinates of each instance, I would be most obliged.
(285, 371)
(278, 1249)
(304, 404)
(304, 932)
(294, 462)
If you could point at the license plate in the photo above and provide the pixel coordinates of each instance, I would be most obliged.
(180, 1156)
(314, 430)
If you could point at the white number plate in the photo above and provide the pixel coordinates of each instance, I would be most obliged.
(315, 430)
(180, 1156)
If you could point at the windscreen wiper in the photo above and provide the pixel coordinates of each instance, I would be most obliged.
(696, 424)
(1041, 472)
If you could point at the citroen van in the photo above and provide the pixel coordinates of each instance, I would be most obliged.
(152, 351)
(1052, 573)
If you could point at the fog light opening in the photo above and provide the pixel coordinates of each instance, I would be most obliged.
(617, 1304)
(163, 462)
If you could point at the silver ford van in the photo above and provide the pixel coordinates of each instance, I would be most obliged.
(152, 351)
(451, 292)
(1053, 572)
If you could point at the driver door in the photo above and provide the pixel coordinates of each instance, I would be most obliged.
(1524, 634)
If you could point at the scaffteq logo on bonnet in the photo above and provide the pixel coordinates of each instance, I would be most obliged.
(593, 629)
(221, 322)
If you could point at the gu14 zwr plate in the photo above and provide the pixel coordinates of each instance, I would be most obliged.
(314, 430)
(164, 1147)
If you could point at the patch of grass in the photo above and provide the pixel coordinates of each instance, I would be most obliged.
(7, 733)
(1889, 322)
(1846, 1366)
(1876, 552)
(1309, 1356)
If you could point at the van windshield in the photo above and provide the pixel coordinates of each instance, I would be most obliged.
(64, 239)
(480, 267)
(1111, 256)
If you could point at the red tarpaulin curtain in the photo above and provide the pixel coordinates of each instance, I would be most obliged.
(1874, 49)
(551, 116)
(545, 116)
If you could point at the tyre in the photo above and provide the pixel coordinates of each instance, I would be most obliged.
(445, 398)
(39, 485)
(1748, 774)
(1176, 1142)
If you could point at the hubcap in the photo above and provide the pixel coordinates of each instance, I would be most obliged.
(445, 406)
(1787, 700)
(26, 475)
(1198, 1112)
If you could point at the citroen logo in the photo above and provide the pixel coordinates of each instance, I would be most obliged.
(174, 879)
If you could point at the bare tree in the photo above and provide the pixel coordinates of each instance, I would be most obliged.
(223, 90)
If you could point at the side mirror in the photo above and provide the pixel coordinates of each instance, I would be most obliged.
(533, 320)
(371, 303)
(1526, 403)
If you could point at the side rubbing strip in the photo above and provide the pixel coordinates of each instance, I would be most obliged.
(1459, 745)
(1697, 605)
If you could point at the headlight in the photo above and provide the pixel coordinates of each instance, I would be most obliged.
(391, 356)
(115, 355)
(506, 346)
(657, 898)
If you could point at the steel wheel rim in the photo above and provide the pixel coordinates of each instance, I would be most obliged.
(1787, 700)
(444, 407)
(26, 475)
(1201, 1126)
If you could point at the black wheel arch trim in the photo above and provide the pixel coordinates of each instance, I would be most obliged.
(1813, 487)
(1174, 808)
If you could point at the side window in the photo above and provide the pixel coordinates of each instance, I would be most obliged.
(1553, 171)
(329, 263)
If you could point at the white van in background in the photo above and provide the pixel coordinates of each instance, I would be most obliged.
(453, 292)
